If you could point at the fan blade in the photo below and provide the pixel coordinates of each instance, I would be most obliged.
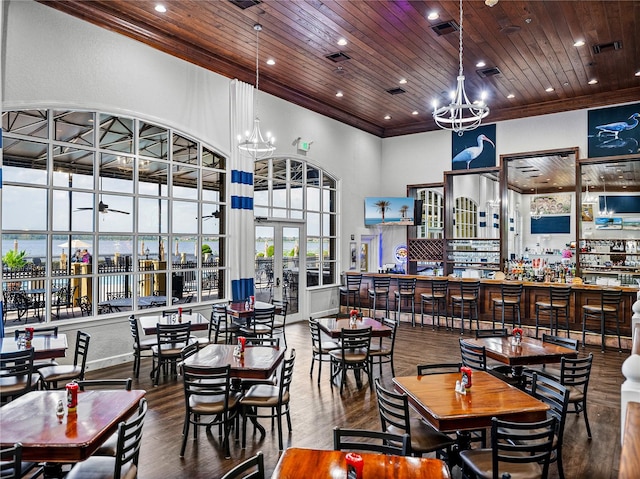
(118, 211)
(83, 209)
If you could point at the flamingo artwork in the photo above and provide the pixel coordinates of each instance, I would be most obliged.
(471, 153)
(618, 127)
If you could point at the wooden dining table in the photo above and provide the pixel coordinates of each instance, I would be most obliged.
(149, 323)
(257, 362)
(435, 399)
(321, 464)
(333, 327)
(239, 311)
(31, 420)
(45, 346)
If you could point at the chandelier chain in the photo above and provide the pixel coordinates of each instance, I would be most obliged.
(460, 40)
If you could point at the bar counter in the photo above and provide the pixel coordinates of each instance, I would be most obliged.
(532, 292)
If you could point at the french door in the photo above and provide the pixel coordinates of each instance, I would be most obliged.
(279, 260)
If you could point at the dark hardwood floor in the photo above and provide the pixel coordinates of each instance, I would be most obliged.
(317, 409)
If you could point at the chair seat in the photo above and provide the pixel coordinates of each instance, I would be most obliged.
(348, 289)
(207, 405)
(146, 344)
(598, 308)
(428, 296)
(101, 467)
(326, 347)
(108, 447)
(464, 297)
(43, 363)
(506, 300)
(408, 294)
(263, 395)
(169, 349)
(480, 462)
(350, 356)
(506, 430)
(258, 329)
(547, 304)
(378, 291)
(576, 394)
(424, 438)
(16, 384)
(278, 325)
(60, 373)
(378, 351)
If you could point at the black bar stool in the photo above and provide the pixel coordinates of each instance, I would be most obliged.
(510, 296)
(469, 293)
(607, 309)
(380, 290)
(406, 292)
(558, 303)
(437, 298)
(351, 288)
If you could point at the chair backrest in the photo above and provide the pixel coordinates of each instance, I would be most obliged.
(82, 351)
(354, 281)
(576, 372)
(169, 312)
(252, 468)
(263, 317)
(189, 350)
(393, 325)
(381, 283)
(286, 375)
(172, 335)
(469, 288)
(50, 330)
(314, 331)
(262, 341)
(282, 306)
(355, 339)
(16, 367)
(438, 368)
(104, 384)
(559, 295)
(135, 332)
(406, 285)
(216, 320)
(474, 357)
(560, 341)
(214, 384)
(439, 287)
(519, 443)
(492, 333)
(511, 290)
(611, 298)
(129, 440)
(375, 441)
(11, 462)
(555, 395)
(394, 410)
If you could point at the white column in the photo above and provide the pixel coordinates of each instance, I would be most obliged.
(630, 389)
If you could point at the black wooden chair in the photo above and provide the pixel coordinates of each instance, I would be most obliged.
(170, 339)
(252, 468)
(345, 439)
(352, 355)
(467, 297)
(140, 346)
(52, 375)
(17, 375)
(437, 299)
(320, 347)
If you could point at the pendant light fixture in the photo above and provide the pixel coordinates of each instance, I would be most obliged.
(460, 115)
(255, 143)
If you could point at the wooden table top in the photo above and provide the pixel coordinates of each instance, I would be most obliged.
(238, 309)
(149, 323)
(529, 351)
(31, 420)
(45, 346)
(435, 398)
(630, 455)
(333, 326)
(258, 362)
(320, 464)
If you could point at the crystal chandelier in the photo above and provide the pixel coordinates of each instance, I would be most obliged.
(254, 143)
(460, 115)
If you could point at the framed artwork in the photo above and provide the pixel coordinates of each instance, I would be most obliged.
(364, 256)
(587, 212)
(545, 205)
(353, 247)
(614, 131)
(474, 149)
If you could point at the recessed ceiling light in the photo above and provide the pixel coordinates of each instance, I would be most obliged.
(414, 112)
(339, 94)
(342, 42)
(638, 73)
(387, 117)
(481, 64)
(579, 43)
(271, 61)
(511, 95)
(550, 89)
(433, 16)
(593, 81)
(160, 8)
(403, 81)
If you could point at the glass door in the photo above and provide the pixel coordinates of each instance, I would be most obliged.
(278, 257)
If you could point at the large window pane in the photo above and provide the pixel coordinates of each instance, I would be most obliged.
(74, 127)
(153, 178)
(153, 215)
(116, 133)
(185, 150)
(185, 182)
(185, 216)
(24, 208)
(153, 141)
(24, 162)
(27, 122)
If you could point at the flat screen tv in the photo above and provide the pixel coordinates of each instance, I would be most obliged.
(390, 211)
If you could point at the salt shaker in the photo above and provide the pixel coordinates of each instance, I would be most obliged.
(60, 410)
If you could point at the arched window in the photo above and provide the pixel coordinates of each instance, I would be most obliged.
(466, 218)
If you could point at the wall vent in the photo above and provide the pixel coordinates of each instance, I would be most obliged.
(445, 27)
(395, 91)
(244, 4)
(338, 57)
(488, 72)
(605, 47)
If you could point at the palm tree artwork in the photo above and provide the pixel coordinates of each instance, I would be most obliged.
(383, 206)
(403, 211)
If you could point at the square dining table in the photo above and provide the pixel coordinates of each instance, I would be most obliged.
(239, 311)
(31, 420)
(435, 399)
(45, 346)
(529, 351)
(149, 323)
(332, 326)
(257, 362)
(298, 463)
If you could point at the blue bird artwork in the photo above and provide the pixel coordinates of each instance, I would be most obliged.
(617, 127)
(469, 154)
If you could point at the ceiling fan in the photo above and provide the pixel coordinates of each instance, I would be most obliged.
(215, 214)
(104, 208)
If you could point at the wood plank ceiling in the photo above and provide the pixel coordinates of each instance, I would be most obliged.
(527, 47)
